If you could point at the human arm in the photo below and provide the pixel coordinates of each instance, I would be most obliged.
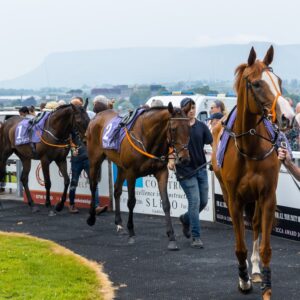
(285, 157)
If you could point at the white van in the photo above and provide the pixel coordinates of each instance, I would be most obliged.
(203, 103)
(6, 113)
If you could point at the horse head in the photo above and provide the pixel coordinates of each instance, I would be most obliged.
(81, 119)
(179, 134)
(263, 90)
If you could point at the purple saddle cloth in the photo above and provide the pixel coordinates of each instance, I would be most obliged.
(225, 137)
(114, 134)
(26, 133)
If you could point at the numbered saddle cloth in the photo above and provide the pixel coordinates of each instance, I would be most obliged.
(114, 133)
(28, 131)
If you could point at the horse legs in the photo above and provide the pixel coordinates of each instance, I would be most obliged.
(117, 195)
(62, 165)
(256, 275)
(162, 179)
(268, 212)
(45, 167)
(131, 204)
(95, 171)
(236, 213)
(26, 163)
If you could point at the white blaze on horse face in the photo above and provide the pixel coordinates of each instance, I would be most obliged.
(282, 106)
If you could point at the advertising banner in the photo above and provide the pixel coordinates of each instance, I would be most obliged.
(83, 194)
(148, 200)
(288, 208)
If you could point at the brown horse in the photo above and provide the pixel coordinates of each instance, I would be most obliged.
(249, 174)
(153, 133)
(54, 146)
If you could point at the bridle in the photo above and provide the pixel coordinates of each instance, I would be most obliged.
(264, 117)
(60, 142)
(171, 143)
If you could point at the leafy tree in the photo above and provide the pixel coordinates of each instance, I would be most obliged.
(29, 101)
(140, 97)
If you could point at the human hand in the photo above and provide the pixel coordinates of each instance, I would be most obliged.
(171, 164)
(283, 154)
(75, 151)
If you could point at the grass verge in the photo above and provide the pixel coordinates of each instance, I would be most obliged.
(32, 268)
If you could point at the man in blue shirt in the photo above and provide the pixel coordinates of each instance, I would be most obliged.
(193, 176)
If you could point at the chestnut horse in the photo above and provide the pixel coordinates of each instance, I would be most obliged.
(143, 151)
(54, 146)
(249, 173)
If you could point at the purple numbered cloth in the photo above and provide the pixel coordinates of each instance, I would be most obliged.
(113, 134)
(25, 133)
(225, 137)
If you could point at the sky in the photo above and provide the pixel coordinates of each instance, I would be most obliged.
(32, 29)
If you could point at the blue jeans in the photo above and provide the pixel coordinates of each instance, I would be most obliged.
(196, 190)
(76, 168)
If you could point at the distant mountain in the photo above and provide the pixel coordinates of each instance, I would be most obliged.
(151, 65)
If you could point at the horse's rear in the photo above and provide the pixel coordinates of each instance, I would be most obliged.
(248, 174)
(7, 134)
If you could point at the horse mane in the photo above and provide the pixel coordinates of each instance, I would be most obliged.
(176, 109)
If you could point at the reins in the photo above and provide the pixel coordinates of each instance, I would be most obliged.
(66, 145)
(163, 158)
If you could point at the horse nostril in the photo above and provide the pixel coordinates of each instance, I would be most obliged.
(184, 160)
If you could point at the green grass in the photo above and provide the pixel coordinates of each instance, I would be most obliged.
(31, 269)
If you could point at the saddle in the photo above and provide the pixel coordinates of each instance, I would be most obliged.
(130, 116)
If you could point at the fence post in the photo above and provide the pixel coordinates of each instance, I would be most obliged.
(110, 184)
(19, 172)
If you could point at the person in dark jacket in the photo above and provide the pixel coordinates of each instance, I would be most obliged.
(80, 162)
(193, 176)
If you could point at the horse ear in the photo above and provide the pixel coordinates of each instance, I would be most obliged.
(252, 57)
(170, 108)
(86, 103)
(269, 56)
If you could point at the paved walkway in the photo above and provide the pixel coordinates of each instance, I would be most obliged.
(147, 270)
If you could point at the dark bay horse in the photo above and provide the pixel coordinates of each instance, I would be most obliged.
(54, 146)
(157, 130)
(249, 174)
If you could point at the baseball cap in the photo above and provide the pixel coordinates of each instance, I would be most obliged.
(185, 102)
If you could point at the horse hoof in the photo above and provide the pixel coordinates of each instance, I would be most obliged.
(131, 240)
(245, 287)
(121, 230)
(172, 246)
(35, 209)
(91, 220)
(256, 278)
(51, 213)
(59, 206)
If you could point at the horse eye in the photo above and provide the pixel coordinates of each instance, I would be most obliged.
(256, 84)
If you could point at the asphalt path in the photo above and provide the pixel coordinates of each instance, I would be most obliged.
(146, 269)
